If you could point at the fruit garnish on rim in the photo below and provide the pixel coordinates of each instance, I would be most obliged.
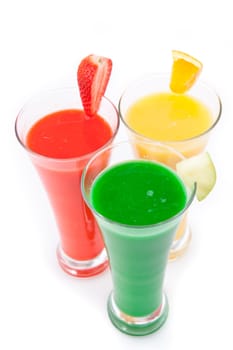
(93, 75)
(199, 169)
(185, 71)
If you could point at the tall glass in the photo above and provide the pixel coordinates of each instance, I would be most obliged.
(138, 254)
(81, 251)
(188, 146)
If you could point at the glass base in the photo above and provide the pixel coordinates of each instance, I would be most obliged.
(179, 246)
(82, 268)
(137, 325)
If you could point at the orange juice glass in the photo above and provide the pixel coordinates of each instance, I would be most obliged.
(151, 112)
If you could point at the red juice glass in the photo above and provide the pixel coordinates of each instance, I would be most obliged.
(81, 251)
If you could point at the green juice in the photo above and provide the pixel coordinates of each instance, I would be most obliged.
(138, 198)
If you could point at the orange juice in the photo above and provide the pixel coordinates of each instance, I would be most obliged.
(177, 119)
(170, 117)
(151, 112)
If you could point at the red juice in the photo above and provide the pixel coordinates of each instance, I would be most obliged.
(63, 135)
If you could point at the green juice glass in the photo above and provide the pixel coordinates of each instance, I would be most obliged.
(138, 252)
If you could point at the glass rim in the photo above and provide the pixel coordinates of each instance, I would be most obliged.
(69, 159)
(190, 196)
(151, 76)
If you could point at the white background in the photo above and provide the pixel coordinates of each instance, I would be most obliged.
(42, 43)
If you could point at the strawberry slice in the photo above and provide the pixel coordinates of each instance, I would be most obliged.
(93, 76)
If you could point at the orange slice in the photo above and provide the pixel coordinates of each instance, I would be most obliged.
(185, 71)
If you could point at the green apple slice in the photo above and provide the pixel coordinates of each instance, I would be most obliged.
(199, 169)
